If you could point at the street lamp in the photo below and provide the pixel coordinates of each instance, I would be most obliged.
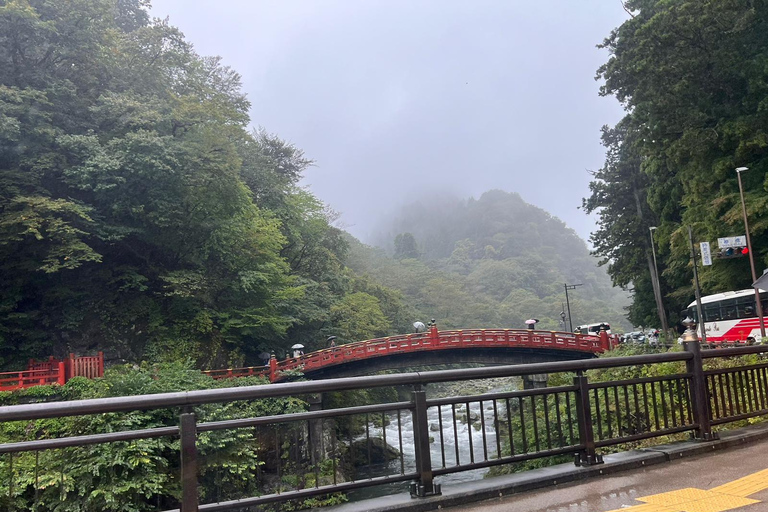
(759, 306)
(657, 289)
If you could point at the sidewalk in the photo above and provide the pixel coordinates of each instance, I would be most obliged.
(566, 487)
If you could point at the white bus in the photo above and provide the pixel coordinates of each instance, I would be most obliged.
(730, 316)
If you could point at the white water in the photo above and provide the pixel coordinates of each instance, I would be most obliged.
(450, 441)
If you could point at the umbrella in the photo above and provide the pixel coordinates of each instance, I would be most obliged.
(297, 346)
(532, 320)
(265, 355)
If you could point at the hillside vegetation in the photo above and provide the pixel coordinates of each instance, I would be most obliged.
(490, 262)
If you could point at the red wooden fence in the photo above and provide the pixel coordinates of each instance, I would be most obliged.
(53, 371)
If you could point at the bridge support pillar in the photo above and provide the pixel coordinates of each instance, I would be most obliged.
(535, 381)
(425, 485)
(315, 432)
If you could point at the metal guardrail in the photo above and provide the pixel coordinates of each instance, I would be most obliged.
(497, 428)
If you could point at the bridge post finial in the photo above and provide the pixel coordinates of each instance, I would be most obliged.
(605, 344)
(433, 335)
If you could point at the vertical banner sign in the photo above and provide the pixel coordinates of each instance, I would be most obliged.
(706, 255)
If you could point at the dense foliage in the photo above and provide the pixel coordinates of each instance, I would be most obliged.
(490, 262)
(139, 216)
(141, 474)
(693, 78)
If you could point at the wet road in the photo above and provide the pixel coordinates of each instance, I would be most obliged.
(735, 479)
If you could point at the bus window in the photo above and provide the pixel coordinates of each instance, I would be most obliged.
(729, 309)
(746, 307)
(712, 312)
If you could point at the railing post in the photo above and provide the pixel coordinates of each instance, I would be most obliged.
(272, 367)
(699, 395)
(62, 378)
(588, 456)
(188, 427)
(434, 336)
(425, 486)
(604, 343)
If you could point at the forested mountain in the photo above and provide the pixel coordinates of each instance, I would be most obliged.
(489, 262)
(692, 76)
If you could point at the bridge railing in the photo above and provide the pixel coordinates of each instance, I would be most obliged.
(431, 437)
(432, 340)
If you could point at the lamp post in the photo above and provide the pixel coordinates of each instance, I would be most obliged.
(657, 289)
(568, 302)
(758, 305)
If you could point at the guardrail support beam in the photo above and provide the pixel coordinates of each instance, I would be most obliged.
(425, 486)
(188, 425)
(588, 456)
(699, 395)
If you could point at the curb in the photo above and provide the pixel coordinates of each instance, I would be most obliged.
(496, 487)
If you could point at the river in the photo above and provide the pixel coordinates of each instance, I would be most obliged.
(449, 443)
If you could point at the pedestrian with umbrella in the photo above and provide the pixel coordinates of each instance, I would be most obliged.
(298, 350)
(531, 323)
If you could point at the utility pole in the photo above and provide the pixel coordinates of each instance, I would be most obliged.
(657, 290)
(697, 288)
(568, 302)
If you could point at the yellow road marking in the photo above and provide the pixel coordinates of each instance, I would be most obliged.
(724, 497)
(750, 484)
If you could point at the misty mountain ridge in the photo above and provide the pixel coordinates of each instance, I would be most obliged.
(489, 262)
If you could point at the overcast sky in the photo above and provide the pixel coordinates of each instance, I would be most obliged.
(395, 99)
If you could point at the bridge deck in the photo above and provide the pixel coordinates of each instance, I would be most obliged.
(433, 340)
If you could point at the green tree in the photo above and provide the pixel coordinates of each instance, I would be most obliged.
(405, 246)
(124, 221)
(358, 317)
(692, 76)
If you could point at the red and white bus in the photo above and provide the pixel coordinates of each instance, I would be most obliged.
(730, 316)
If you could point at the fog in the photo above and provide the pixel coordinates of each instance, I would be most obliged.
(396, 100)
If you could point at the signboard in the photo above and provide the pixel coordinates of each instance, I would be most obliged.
(706, 255)
(732, 241)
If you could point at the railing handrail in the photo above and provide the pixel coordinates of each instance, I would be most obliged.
(577, 418)
(193, 398)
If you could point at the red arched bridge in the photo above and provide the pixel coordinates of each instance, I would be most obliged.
(480, 346)
(483, 346)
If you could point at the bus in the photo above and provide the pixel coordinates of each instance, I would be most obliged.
(730, 316)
